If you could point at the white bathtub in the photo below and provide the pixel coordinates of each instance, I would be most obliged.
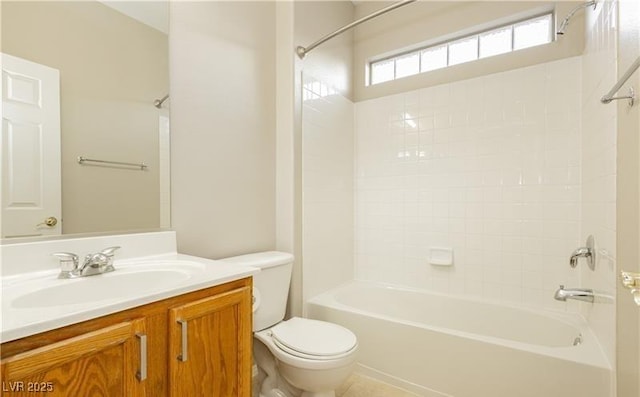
(438, 345)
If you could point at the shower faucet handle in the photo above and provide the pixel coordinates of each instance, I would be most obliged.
(588, 252)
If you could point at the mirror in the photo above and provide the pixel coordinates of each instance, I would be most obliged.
(110, 60)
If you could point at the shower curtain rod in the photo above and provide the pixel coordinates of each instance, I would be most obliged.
(609, 96)
(302, 51)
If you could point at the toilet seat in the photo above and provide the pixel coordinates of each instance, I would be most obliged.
(313, 339)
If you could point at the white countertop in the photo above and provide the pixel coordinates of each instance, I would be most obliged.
(38, 301)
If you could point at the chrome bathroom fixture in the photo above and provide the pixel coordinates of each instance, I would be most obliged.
(98, 263)
(609, 96)
(302, 51)
(565, 21)
(579, 294)
(158, 102)
(578, 340)
(589, 252)
(82, 160)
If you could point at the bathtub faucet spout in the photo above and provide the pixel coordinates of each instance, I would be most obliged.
(580, 294)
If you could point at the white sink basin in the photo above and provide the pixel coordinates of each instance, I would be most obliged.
(133, 278)
(147, 269)
(100, 287)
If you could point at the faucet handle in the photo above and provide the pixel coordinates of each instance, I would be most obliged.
(109, 251)
(66, 257)
(588, 252)
(68, 263)
(107, 256)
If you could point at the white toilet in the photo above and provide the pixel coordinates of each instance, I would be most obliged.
(297, 357)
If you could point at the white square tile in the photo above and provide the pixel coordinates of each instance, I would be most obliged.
(496, 180)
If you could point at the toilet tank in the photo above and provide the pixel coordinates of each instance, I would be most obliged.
(270, 286)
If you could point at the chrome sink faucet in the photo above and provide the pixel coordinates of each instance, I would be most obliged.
(580, 294)
(98, 263)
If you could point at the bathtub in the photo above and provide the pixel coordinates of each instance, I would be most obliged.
(438, 345)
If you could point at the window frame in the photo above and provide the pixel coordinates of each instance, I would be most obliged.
(550, 14)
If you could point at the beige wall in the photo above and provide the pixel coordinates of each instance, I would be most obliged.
(286, 222)
(628, 212)
(427, 20)
(223, 127)
(111, 69)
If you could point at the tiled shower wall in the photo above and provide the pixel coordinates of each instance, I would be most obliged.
(327, 187)
(489, 167)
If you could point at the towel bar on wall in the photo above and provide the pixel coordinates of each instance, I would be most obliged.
(82, 160)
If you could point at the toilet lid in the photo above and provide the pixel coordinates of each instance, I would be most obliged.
(313, 337)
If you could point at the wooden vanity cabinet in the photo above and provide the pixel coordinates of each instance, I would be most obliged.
(210, 346)
(96, 363)
(103, 356)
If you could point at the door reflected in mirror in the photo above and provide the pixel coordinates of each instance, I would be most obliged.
(80, 79)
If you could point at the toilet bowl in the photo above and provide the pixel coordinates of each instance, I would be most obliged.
(313, 356)
(299, 357)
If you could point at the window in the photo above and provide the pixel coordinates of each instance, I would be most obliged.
(408, 65)
(532, 32)
(496, 42)
(434, 58)
(463, 50)
(383, 71)
(500, 40)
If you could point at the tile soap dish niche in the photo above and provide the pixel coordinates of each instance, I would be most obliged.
(439, 256)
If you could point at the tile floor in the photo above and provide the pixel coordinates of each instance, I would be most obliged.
(362, 386)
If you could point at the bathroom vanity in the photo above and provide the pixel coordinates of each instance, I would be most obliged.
(143, 351)
(184, 336)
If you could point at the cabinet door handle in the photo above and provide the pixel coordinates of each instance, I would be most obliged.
(142, 373)
(183, 350)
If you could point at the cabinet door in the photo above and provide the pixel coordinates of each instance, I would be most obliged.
(106, 362)
(210, 346)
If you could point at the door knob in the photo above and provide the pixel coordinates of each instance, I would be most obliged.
(632, 281)
(49, 222)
